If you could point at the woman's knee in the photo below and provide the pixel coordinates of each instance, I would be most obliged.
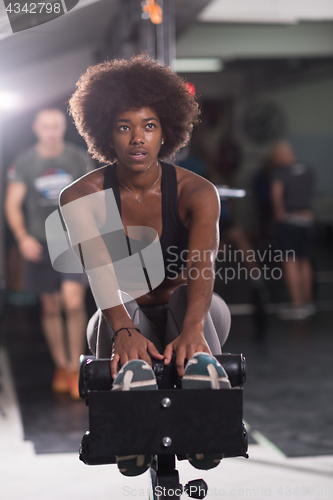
(92, 330)
(221, 317)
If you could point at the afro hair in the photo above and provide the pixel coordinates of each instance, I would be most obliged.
(118, 85)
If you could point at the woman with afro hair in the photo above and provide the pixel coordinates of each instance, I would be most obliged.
(134, 115)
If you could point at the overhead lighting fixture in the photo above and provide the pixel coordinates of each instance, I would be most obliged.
(197, 65)
(9, 100)
(266, 11)
(226, 192)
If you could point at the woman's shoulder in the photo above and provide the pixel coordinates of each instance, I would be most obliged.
(90, 183)
(189, 182)
(196, 195)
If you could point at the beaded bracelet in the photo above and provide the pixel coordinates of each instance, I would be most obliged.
(126, 328)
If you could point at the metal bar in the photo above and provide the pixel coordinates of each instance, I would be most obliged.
(169, 32)
(160, 41)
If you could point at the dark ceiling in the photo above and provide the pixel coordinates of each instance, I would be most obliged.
(78, 28)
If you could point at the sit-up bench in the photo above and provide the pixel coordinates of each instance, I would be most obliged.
(165, 423)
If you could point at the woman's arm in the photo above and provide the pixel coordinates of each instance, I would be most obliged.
(81, 210)
(29, 247)
(203, 214)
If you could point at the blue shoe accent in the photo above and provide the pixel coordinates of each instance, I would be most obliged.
(135, 375)
(203, 371)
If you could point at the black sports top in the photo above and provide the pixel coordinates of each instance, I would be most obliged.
(174, 237)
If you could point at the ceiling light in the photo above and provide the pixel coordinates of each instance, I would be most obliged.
(226, 192)
(266, 11)
(9, 100)
(197, 65)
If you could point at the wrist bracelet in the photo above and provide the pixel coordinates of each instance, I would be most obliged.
(126, 328)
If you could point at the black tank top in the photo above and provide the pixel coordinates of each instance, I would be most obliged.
(174, 237)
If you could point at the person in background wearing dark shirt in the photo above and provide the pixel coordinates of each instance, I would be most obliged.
(292, 193)
(36, 178)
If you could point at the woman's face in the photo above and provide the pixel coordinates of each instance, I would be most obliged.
(137, 136)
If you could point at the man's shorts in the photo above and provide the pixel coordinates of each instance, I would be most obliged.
(40, 277)
(290, 237)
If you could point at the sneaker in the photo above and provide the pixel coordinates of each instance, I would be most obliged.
(60, 382)
(293, 313)
(203, 371)
(135, 375)
(311, 309)
(73, 384)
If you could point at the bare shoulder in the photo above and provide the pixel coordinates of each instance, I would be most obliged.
(191, 185)
(89, 183)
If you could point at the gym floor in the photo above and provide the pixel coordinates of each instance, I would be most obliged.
(288, 409)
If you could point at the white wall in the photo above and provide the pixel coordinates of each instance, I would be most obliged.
(253, 41)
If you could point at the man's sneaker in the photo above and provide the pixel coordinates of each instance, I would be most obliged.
(60, 381)
(203, 371)
(311, 309)
(293, 313)
(135, 375)
(73, 384)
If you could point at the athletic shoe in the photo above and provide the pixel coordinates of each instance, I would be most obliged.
(135, 375)
(59, 381)
(203, 371)
(73, 384)
(294, 313)
(311, 309)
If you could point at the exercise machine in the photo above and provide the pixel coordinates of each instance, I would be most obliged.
(168, 423)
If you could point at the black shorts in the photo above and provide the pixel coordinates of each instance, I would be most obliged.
(290, 237)
(40, 277)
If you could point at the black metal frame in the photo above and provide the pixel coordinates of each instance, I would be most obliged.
(166, 423)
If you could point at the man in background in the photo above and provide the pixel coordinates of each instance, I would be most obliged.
(292, 193)
(35, 180)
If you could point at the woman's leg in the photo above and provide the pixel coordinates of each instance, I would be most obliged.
(100, 334)
(217, 324)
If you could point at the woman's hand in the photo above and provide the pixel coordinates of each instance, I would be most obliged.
(133, 346)
(188, 343)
